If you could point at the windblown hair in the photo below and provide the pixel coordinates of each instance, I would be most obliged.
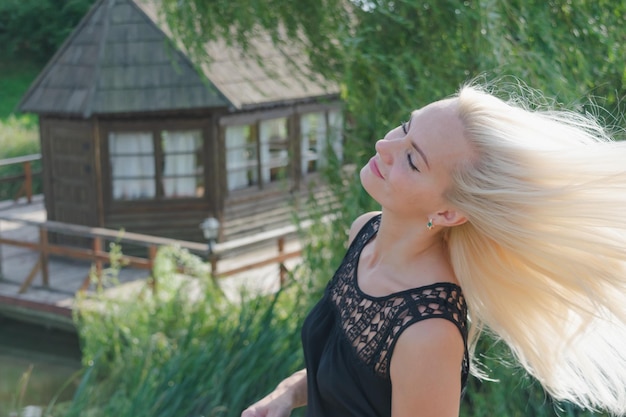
(542, 258)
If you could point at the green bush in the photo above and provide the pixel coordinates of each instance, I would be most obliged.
(19, 136)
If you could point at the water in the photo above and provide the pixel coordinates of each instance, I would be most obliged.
(52, 356)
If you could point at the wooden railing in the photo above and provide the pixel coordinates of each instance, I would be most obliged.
(99, 256)
(26, 189)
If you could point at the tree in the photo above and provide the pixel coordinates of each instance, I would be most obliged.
(392, 56)
(34, 29)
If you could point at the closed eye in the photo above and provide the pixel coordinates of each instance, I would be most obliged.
(411, 164)
(404, 128)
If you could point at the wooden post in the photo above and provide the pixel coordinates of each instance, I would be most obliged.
(28, 182)
(281, 265)
(152, 251)
(43, 239)
(41, 265)
(213, 261)
(97, 248)
(31, 276)
(26, 189)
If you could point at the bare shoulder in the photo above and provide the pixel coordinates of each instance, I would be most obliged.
(431, 334)
(359, 222)
(426, 369)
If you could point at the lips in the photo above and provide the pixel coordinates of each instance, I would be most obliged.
(374, 167)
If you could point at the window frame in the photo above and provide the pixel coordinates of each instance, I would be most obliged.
(156, 129)
(293, 116)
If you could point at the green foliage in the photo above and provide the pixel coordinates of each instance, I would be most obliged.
(34, 29)
(392, 57)
(185, 350)
(571, 50)
(18, 137)
(16, 77)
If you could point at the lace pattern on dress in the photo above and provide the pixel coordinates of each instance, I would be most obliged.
(373, 324)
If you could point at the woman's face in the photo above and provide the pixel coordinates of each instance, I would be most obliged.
(413, 163)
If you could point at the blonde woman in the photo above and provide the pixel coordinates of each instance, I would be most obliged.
(512, 216)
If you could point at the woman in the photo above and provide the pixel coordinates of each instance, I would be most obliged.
(521, 209)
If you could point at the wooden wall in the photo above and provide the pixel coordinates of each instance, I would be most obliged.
(69, 171)
(172, 218)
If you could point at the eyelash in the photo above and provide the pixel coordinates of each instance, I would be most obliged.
(411, 164)
(408, 156)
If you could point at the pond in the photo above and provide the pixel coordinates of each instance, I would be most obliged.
(48, 358)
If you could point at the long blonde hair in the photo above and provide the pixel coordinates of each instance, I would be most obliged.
(542, 258)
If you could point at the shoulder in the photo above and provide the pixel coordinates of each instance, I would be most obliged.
(430, 335)
(426, 369)
(359, 222)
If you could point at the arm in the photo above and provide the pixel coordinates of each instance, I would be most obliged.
(289, 394)
(426, 370)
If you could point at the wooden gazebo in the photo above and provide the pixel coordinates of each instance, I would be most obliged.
(135, 136)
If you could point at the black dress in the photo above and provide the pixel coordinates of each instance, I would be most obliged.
(349, 336)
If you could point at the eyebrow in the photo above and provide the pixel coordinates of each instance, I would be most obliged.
(415, 146)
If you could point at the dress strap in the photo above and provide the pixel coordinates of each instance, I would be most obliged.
(365, 234)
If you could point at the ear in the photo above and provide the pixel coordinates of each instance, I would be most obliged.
(449, 218)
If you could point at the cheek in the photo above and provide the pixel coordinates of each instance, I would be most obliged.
(404, 181)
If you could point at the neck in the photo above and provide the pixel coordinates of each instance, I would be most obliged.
(402, 242)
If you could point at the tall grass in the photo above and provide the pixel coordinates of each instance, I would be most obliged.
(185, 350)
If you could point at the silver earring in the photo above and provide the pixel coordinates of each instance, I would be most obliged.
(430, 224)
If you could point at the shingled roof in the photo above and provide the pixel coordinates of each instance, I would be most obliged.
(120, 59)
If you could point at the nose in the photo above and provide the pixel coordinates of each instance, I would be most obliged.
(380, 145)
(384, 148)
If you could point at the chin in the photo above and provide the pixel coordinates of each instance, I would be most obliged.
(367, 185)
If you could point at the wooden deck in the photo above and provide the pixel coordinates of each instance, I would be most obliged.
(52, 305)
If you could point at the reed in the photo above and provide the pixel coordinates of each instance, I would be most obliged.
(185, 350)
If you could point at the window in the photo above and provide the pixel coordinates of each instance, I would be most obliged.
(260, 153)
(252, 152)
(132, 165)
(335, 133)
(143, 168)
(313, 128)
(241, 157)
(183, 170)
(274, 149)
(321, 134)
